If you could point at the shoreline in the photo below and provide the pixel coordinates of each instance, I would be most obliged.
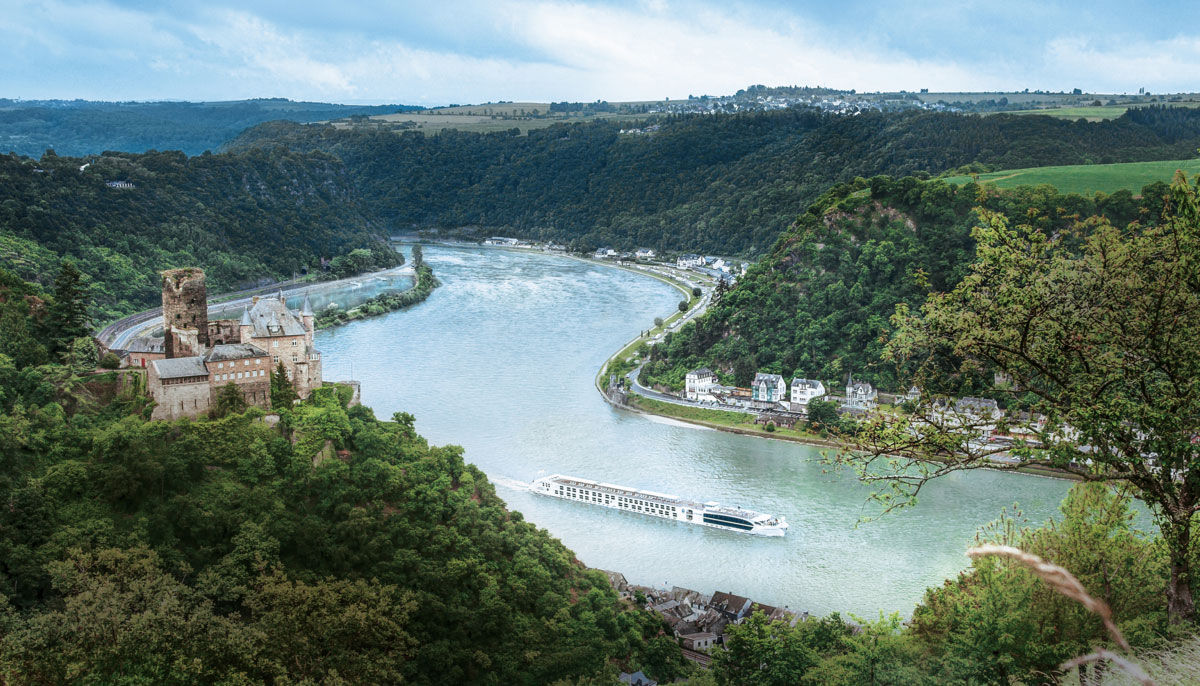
(814, 441)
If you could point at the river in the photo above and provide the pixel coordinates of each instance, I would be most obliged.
(500, 359)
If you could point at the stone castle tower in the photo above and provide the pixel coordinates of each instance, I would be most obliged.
(185, 312)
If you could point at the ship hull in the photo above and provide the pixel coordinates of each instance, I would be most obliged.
(659, 505)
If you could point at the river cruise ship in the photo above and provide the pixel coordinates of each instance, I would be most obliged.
(660, 505)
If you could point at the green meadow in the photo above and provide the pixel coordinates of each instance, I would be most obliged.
(1086, 179)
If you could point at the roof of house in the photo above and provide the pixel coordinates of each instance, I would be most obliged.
(701, 635)
(806, 383)
(637, 679)
(969, 404)
(180, 367)
(147, 344)
(245, 317)
(702, 370)
(729, 602)
(271, 317)
(233, 351)
(767, 378)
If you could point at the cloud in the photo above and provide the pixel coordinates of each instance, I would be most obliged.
(541, 50)
(1167, 65)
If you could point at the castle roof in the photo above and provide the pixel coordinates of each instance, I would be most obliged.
(180, 367)
(147, 344)
(233, 351)
(271, 317)
(306, 309)
(245, 317)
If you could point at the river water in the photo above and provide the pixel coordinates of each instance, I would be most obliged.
(500, 359)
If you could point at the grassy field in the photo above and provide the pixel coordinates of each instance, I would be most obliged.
(1086, 179)
(1089, 113)
(479, 118)
(737, 421)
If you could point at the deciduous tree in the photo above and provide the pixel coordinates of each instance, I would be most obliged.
(1099, 329)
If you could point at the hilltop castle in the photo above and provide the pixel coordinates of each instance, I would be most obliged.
(197, 356)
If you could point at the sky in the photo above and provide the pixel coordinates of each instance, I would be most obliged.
(472, 51)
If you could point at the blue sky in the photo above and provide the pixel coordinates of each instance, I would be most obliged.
(434, 52)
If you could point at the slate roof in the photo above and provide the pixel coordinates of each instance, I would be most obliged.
(703, 371)
(768, 378)
(180, 367)
(147, 344)
(728, 602)
(271, 317)
(806, 383)
(233, 351)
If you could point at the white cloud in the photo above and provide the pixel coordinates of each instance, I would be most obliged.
(1120, 65)
(539, 50)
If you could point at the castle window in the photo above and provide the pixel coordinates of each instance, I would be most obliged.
(220, 365)
(245, 363)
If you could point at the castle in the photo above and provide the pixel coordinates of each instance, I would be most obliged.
(196, 356)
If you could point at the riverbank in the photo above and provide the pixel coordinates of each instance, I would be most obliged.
(741, 423)
(383, 303)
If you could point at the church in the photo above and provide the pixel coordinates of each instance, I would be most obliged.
(199, 356)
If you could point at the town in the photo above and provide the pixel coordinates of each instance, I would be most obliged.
(697, 621)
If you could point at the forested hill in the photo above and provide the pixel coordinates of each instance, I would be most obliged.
(726, 184)
(242, 217)
(82, 127)
(818, 306)
(328, 548)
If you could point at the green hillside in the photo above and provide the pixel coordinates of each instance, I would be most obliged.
(722, 184)
(818, 305)
(1088, 178)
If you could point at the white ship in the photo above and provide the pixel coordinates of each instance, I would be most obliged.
(660, 505)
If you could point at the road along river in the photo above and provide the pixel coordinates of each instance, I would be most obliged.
(501, 360)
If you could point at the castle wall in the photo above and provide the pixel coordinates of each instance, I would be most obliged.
(221, 331)
(185, 312)
(252, 379)
(178, 399)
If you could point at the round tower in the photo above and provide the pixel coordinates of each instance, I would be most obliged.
(185, 312)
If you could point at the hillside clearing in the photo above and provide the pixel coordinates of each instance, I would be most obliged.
(1087, 179)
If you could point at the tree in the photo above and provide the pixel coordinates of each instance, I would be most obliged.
(683, 306)
(822, 414)
(658, 321)
(720, 290)
(1099, 329)
(283, 392)
(67, 317)
(696, 292)
(998, 621)
(759, 652)
(418, 256)
(230, 400)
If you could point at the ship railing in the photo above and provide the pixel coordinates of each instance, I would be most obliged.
(624, 492)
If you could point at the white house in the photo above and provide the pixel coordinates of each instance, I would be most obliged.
(860, 395)
(769, 388)
(804, 390)
(644, 254)
(698, 383)
(688, 261)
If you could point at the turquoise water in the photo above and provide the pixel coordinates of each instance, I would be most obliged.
(500, 360)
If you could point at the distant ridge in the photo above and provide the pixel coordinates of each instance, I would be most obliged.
(87, 127)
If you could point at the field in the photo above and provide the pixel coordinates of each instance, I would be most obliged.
(1086, 179)
(478, 118)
